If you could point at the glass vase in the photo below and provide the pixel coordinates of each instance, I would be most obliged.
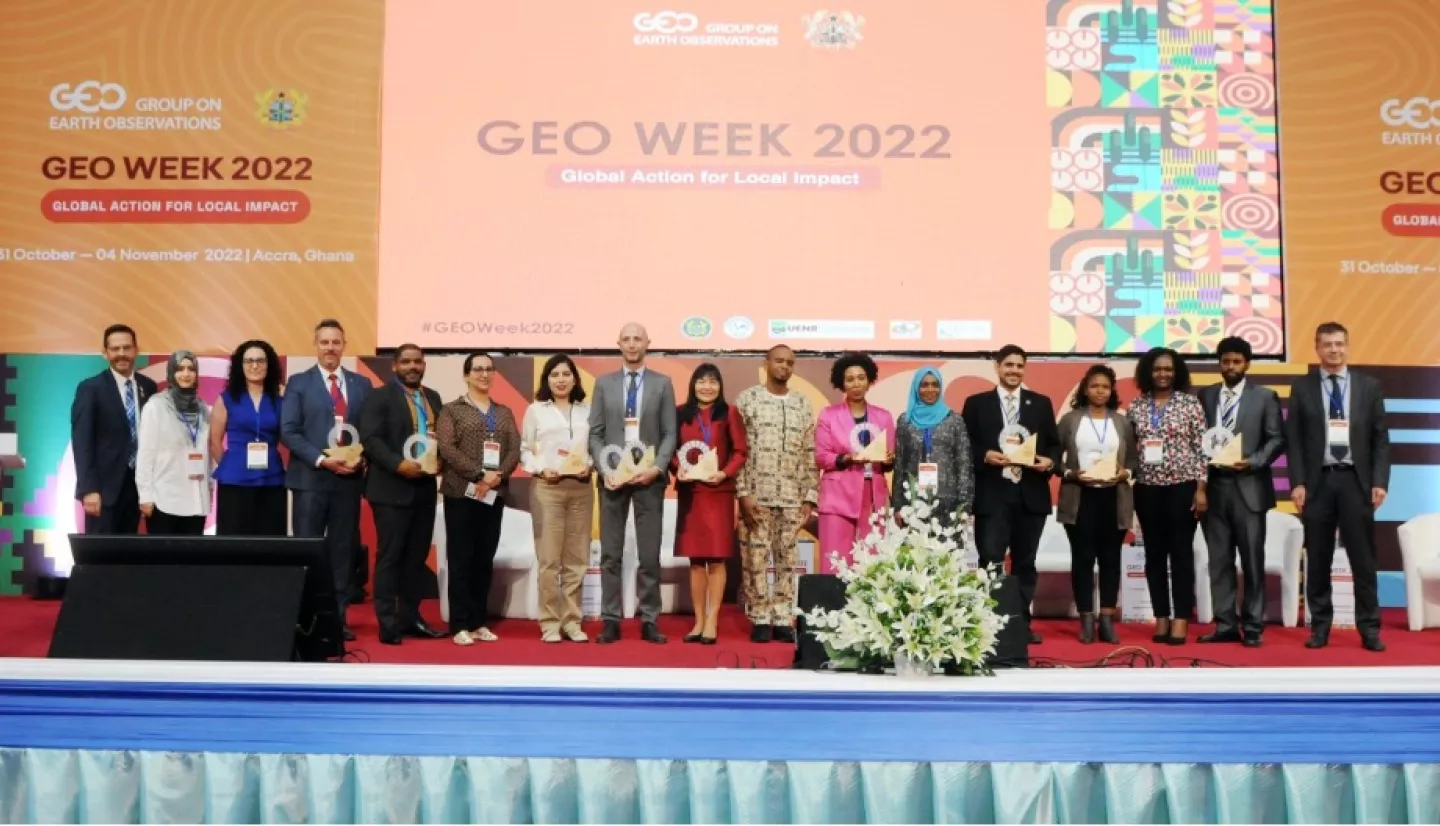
(911, 669)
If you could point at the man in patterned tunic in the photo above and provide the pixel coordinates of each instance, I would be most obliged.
(777, 493)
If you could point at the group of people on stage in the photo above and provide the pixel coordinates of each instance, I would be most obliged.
(142, 452)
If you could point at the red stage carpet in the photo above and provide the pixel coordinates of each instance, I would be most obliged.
(26, 625)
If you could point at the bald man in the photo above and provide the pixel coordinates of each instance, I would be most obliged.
(632, 405)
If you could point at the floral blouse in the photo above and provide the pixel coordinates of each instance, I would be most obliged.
(1180, 425)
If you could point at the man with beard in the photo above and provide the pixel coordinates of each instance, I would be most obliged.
(401, 493)
(104, 429)
(777, 494)
(1012, 501)
(1240, 494)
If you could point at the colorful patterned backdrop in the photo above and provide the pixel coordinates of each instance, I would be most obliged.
(1166, 198)
(39, 506)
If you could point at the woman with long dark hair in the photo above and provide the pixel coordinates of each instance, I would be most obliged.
(554, 451)
(245, 441)
(705, 522)
(1096, 504)
(1170, 479)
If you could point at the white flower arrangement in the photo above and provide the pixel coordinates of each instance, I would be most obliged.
(911, 599)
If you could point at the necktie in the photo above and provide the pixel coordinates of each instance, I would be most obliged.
(1227, 416)
(337, 399)
(422, 421)
(130, 417)
(630, 394)
(1337, 411)
(1011, 473)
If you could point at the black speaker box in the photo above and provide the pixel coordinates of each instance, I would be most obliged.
(180, 612)
(1012, 647)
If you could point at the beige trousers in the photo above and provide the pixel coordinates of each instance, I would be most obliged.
(562, 515)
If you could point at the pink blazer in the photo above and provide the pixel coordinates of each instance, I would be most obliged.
(840, 490)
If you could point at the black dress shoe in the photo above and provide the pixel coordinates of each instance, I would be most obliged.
(762, 633)
(1161, 636)
(1372, 643)
(610, 633)
(1035, 639)
(784, 633)
(650, 632)
(389, 638)
(1087, 629)
(348, 634)
(1319, 638)
(1107, 630)
(1219, 636)
(708, 640)
(692, 638)
(423, 630)
(1252, 639)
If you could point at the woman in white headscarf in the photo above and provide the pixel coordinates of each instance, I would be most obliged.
(172, 463)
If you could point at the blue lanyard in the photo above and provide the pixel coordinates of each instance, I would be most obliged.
(1157, 414)
(928, 434)
(194, 430)
(489, 415)
(1102, 433)
(702, 420)
(264, 397)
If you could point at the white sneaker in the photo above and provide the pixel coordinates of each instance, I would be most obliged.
(484, 634)
(464, 638)
(551, 636)
(574, 634)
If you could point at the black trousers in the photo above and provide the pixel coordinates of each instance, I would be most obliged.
(251, 510)
(121, 516)
(472, 534)
(1231, 526)
(335, 515)
(1339, 502)
(403, 534)
(1015, 529)
(1168, 524)
(1095, 537)
(161, 523)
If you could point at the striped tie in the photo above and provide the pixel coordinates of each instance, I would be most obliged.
(130, 417)
(1011, 473)
(1227, 418)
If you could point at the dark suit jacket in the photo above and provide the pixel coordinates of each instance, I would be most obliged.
(1262, 435)
(984, 419)
(385, 425)
(1306, 431)
(100, 435)
(307, 416)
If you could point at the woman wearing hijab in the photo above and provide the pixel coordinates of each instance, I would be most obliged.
(932, 452)
(172, 462)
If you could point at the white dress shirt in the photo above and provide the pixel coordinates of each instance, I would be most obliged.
(547, 430)
(161, 475)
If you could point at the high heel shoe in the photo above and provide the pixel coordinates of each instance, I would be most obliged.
(1161, 636)
(1178, 639)
(1107, 630)
(708, 640)
(693, 637)
(1087, 628)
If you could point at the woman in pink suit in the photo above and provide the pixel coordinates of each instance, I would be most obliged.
(850, 490)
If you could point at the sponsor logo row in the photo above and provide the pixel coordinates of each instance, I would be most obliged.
(742, 328)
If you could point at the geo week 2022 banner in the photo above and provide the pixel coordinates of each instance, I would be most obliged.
(204, 171)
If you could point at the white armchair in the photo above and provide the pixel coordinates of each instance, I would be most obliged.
(1420, 557)
(1284, 547)
(515, 587)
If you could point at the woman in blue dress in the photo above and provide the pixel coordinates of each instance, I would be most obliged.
(245, 441)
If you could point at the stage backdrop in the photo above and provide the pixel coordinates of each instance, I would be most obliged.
(206, 171)
(40, 509)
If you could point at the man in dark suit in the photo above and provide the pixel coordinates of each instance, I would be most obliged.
(1012, 502)
(1339, 470)
(1240, 495)
(326, 492)
(104, 425)
(632, 405)
(401, 493)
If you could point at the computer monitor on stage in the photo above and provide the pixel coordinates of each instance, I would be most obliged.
(199, 598)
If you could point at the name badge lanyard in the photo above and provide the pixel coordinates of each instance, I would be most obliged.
(193, 431)
(1157, 417)
(928, 435)
(1100, 432)
(1337, 402)
(263, 400)
(702, 419)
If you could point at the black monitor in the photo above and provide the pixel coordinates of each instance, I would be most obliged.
(199, 597)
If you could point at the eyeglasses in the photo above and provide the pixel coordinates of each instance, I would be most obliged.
(482, 369)
(254, 362)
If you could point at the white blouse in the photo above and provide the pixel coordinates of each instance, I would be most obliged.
(547, 430)
(161, 477)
